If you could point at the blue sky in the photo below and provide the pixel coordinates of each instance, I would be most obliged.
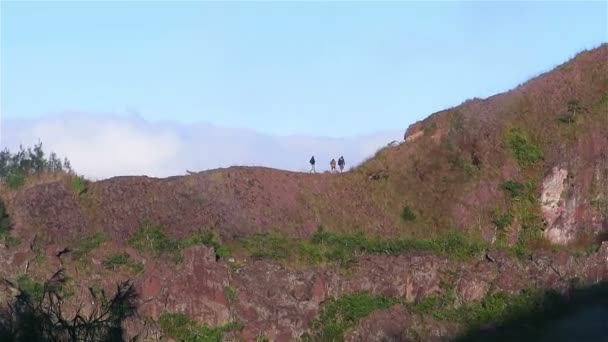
(314, 68)
(155, 88)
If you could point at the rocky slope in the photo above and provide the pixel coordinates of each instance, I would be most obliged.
(524, 174)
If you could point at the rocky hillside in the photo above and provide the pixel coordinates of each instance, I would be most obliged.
(466, 224)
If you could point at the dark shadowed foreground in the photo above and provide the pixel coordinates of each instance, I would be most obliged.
(42, 316)
(579, 315)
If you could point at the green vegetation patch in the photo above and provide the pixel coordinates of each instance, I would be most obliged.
(525, 152)
(31, 288)
(230, 293)
(525, 207)
(408, 214)
(15, 167)
(151, 238)
(513, 188)
(79, 185)
(182, 328)
(206, 238)
(120, 260)
(342, 249)
(342, 313)
(502, 220)
(15, 179)
(115, 261)
(495, 308)
(87, 244)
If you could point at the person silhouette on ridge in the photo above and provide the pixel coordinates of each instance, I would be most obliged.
(312, 164)
(341, 163)
(332, 164)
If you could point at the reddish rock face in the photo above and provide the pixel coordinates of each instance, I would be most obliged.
(195, 287)
(474, 283)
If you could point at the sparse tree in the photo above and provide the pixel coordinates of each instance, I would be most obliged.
(30, 161)
(573, 107)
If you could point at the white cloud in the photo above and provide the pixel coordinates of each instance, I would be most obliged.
(102, 146)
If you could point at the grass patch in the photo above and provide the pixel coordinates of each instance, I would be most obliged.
(408, 214)
(502, 220)
(79, 185)
(270, 246)
(206, 238)
(495, 308)
(230, 293)
(151, 238)
(536, 306)
(117, 261)
(88, 244)
(342, 249)
(31, 288)
(182, 328)
(513, 188)
(525, 207)
(342, 313)
(525, 152)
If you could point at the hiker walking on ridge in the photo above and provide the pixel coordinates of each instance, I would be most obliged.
(332, 164)
(341, 163)
(312, 163)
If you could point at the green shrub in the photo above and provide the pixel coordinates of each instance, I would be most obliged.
(525, 152)
(269, 246)
(407, 214)
(182, 328)
(151, 238)
(515, 189)
(502, 220)
(79, 185)
(88, 244)
(15, 180)
(342, 313)
(206, 238)
(31, 288)
(230, 293)
(115, 261)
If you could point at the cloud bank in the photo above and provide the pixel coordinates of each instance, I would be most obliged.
(102, 146)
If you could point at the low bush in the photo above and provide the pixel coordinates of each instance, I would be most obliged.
(79, 185)
(342, 313)
(408, 214)
(182, 328)
(151, 238)
(525, 152)
(87, 244)
(115, 261)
